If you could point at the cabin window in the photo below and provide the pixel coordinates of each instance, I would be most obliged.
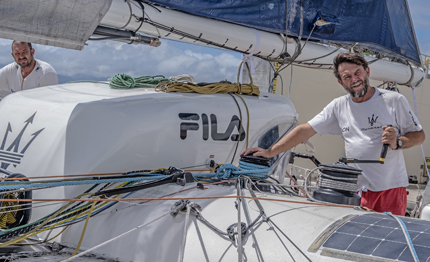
(272, 136)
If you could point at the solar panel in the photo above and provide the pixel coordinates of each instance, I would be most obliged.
(380, 235)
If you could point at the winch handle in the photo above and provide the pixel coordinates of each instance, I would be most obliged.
(384, 150)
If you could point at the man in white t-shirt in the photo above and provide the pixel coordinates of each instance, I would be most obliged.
(362, 118)
(26, 72)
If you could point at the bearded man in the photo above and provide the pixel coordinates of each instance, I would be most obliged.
(26, 72)
(367, 118)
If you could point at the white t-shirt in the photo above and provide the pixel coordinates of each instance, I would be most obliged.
(11, 78)
(360, 125)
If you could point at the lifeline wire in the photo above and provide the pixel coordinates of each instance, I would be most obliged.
(271, 222)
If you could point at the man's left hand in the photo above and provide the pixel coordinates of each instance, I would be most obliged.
(389, 137)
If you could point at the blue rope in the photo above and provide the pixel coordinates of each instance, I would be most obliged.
(229, 171)
(408, 237)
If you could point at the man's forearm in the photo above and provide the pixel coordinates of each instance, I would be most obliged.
(296, 136)
(413, 139)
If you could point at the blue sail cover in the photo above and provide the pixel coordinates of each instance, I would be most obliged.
(383, 26)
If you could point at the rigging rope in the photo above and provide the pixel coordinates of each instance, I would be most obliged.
(84, 229)
(222, 87)
(229, 171)
(70, 214)
(124, 81)
(63, 217)
(30, 185)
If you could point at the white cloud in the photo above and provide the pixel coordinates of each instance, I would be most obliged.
(199, 56)
(227, 60)
(101, 60)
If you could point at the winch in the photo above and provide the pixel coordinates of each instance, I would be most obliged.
(338, 182)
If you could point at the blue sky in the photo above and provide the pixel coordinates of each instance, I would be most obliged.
(103, 59)
(420, 11)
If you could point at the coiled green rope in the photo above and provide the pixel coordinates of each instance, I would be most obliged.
(124, 81)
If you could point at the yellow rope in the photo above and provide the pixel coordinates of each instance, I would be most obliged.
(275, 81)
(8, 211)
(213, 88)
(41, 242)
(84, 229)
(247, 122)
(32, 232)
(36, 230)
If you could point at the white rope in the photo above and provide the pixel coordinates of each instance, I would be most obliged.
(183, 78)
(113, 239)
(306, 185)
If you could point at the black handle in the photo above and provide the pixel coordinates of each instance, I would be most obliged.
(384, 151)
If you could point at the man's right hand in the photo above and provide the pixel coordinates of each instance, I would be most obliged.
(256, 151)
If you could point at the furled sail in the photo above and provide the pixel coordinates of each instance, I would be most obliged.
(384, 26)
(61, 23)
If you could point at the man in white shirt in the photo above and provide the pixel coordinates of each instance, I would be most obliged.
(26, 72)
(363, 118)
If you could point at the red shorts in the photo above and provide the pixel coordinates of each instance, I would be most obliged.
(392, 200)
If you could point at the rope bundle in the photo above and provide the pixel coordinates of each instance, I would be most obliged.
(124, 81)
(222, 87)
(229, 171)
(174, 84)
(74, 212)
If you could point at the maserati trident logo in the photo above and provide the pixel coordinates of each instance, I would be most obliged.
(11, 149)
(372, 120)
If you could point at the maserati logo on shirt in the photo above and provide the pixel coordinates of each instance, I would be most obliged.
(372, 120)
